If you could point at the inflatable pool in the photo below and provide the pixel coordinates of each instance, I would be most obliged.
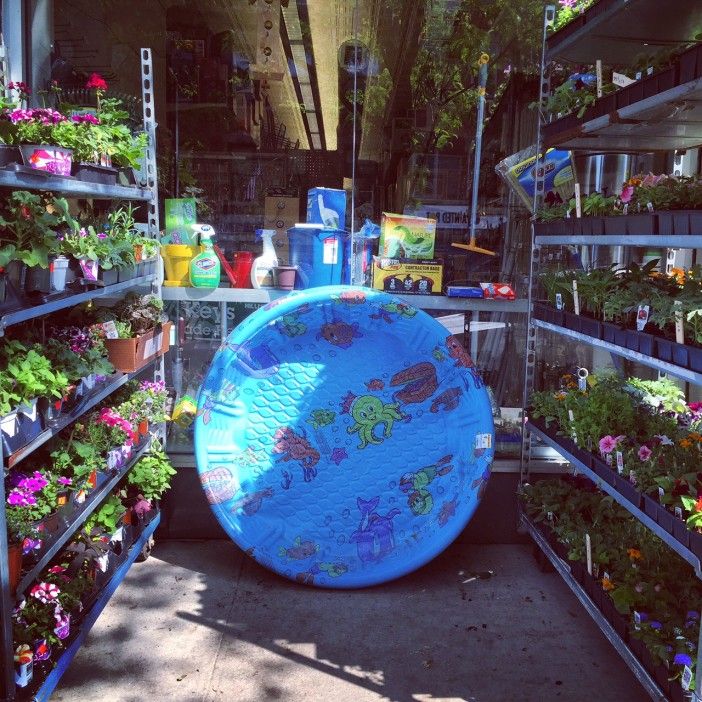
(343, 438)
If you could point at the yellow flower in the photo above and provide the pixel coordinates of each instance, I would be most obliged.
(607, 584)
(685, 443)
(560, 396)
(634, 553)
(678, 274)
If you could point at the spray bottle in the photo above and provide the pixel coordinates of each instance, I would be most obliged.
(205, 268)
(262, 268)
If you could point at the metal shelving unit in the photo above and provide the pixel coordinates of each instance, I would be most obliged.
(606, 628)
(71, 187)
(615, 31)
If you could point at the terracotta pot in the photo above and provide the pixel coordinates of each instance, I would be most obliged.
(138, 252)
(14, 557)
(144, 428)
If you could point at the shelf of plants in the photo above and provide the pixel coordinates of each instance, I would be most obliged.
(607, 628)
(636, 440)
(91, 616)
(89, 484)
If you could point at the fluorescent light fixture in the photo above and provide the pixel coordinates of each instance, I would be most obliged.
(292, 22)
(300, 60)
(307, 96)
(312, 121)
(316, 141)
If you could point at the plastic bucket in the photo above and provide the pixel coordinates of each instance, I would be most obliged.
(318, 254)
(176, 260)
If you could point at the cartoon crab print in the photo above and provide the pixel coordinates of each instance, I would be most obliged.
(368, 412)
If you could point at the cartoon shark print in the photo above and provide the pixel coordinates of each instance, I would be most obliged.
(447, 400)
(419, 381)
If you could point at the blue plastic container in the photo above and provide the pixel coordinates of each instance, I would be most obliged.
(318, 252)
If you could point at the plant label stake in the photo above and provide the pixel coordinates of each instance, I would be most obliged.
(559, 301)
(620, 462)
(642, 317)
(637, 621)
(622, 81)
(578, 204)
(686, 679)
(598, 73)
(576, 298)
(679, 329)
(588, 553)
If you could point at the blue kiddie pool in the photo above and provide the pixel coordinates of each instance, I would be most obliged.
(343, 438)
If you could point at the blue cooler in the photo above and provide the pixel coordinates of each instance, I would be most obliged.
(318, 252)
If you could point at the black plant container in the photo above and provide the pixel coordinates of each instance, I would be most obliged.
(694, 358)
(597, 225)
(572, 321)
(623, 97)
(664, 349)
(665, 519)
(606, 105)
(632, 339)
(577, 570)
(681, 223)
(641, 224)
(680, 355)
(556, 317)
(585, 224)
(646, 343)
(649, 85)
(591, 327)
(666, 226)
(661, 673)
(615, 225)
(650, 506)
(127, 273)
(110, 277)
(667, 79)
(601, 469)
(542, 311)
(608, 331)
(557, 37)
(696, 544)
(695, 221)
(627, 490)
(690, 63)
(677, 694)
(94, 173)
(681, 532)
(9, 155)
(620, 335)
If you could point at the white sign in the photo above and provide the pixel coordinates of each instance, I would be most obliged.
(455, 216)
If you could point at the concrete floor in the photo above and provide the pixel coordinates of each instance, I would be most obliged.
(200, 622)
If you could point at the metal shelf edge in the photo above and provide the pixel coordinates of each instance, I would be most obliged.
(621, 648)
(671, 242)
(663, 535)
(52, 680)
(78, 520)
(678, 371)
(28, 313)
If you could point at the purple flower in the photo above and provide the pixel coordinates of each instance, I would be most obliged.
(64, 481)
(570, 4)
(692, 614)
(102, 235)
(20, 497)
(682, 659)
(656, 625)
(644, 453)
(34, 484)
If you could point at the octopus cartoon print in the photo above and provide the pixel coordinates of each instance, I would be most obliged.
(414, 485)
(296, 447)
(375, 536)
(368, 412)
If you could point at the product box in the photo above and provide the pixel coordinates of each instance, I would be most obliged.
(405, 236)
(326, 206)
(498, 291)
(281, 213)
(181, 214)
(407, 276)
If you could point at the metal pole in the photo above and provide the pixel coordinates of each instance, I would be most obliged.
(352, 248)
(482, 82)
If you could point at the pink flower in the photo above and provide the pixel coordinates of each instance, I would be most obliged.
(34, 484)
(64, 481)
(21, 497)
(56, 569)
(627, 193)
(607, 444)
(644, 453)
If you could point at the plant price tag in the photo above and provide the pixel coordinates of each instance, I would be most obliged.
(559, 301)
(549, 516)
(605, 576)
(678, 512)
(661, 492)
(620, 462)
(588, 553)
(576, 298)
(637, 620)
(598, 75)
(578, 203)
(642, 317)
(621, 81)
(686, 679)
(632, 477)
(483, 441)
(110, 330)
(609, 460)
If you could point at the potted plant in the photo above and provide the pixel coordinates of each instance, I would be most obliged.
(20, 526)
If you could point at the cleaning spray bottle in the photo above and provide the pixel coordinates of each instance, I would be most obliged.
(205, 267)
(262, 267)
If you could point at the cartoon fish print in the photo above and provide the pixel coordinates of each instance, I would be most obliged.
(375, 536)
(321, 418)
(296, 447)
(375, 384)
(415, 484)
(350, 297)
(250, 504)
(419, 381)
(340, 334)
(368, 412)
(448, 510)
(206, 410)
(463, 360)
(219, 485)
(300, 551)
(448, 400)
(290, 324)
(333, 570)
(399, 308)
(338, 455)
(481, 483)
(438, 354)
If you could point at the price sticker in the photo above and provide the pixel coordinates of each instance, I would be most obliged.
(622, 81)
(110, 329)
(620, 462)
(330, 251)
(483, 441)
(559, 301)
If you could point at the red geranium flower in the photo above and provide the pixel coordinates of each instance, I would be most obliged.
(96, 81)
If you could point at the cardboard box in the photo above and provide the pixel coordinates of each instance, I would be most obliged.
(407, 276)
(281, 214)
(405, 236)
(326, 206)
(181, 214)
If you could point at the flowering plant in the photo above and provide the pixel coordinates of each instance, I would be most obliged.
(82, 242)
(119, 430)
(34, 496)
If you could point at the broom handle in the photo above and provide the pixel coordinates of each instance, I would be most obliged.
(482, 82)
